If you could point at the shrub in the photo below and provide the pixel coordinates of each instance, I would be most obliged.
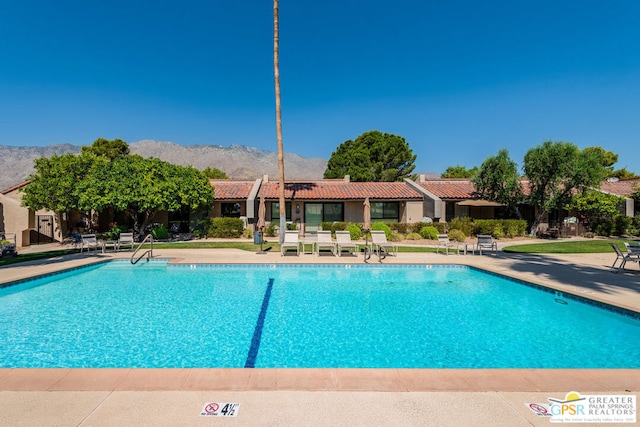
(498, 231)
(333, 226)
(622, 223)
(500, 228)
(604, 228)
(160, 232)
(457, 236)
(381, 226)
(114, 232)
(247, 233)
(413, 236)
(396, 237)
(270, 229)
(429, 232)
(354, 231)
(483, 226)
(402, 227)
(463, 224)
(514, 227)
(225, 227)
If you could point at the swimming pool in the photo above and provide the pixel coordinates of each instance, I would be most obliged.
(159, 315)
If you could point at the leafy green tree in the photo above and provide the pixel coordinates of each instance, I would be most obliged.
(498, 181)
(107, 148)
(214, 173)
(373, 156)
(609, 158)
(557, 170)
(596, 205)
(143, 187)
(54, 184)
(459, 172)
(622, 173)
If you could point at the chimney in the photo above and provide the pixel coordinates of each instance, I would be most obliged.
(265, 178)
(422, 178)
(347, 178)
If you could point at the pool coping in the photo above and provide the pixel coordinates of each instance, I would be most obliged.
(314, 379)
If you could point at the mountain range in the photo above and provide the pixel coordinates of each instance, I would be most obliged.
(237, 161)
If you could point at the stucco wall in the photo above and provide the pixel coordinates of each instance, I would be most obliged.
(17, 219)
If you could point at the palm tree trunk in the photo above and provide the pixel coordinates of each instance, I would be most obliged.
(276, 73)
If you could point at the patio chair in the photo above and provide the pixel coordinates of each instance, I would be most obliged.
(379, 240)
(290, 242)
(632, 254)
(444, 242)
(88, 241)
(343, 241)
(126, 239)
(486, 241)
(325, 241)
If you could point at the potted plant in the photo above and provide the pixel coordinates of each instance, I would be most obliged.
(8, 248)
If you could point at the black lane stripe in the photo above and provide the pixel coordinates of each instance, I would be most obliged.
(257, 333)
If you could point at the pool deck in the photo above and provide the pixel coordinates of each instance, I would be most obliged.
(357, 397)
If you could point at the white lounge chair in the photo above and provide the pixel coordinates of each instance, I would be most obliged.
(632, 254)
(325, 241)
(486, 241)
(291, 241)
(444, 242)
(379, 240)
(126, 239)
(343, 241)
(88, 241)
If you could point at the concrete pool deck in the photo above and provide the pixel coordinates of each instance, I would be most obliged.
(323, 396)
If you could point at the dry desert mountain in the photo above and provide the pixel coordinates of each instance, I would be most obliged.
(237, 161)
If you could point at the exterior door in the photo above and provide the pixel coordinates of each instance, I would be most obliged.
(312, 216)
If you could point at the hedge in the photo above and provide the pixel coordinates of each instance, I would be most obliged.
(225, 227)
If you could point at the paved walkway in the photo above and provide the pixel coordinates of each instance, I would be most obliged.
(356, 397)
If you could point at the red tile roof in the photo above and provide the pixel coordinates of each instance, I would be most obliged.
(623, 187)
(459, 188)
(15, 187)
(231, 190)
(340, 190)
(450, 188)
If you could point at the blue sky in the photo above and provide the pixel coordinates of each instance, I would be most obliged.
(458, 79)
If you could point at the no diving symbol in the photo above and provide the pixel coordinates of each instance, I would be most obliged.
(211, 408)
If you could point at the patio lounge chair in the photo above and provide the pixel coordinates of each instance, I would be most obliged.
(343, 241)
(486, 241)
(290, 242)
(379, 240)
(126, 239)
(444, 242)
(88, 241)
(632, 254)
(325, 241)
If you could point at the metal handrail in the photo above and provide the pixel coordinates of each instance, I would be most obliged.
(148, 253)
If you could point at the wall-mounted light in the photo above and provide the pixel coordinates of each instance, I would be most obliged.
(297, 205)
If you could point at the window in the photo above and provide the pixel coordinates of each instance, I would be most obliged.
(275, 210)
(332, 212)
(316, 213)
(385, 211)
(231, 210)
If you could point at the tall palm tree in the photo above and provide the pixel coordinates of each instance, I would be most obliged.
(276, 73)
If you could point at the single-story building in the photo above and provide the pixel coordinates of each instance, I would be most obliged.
(311, 202)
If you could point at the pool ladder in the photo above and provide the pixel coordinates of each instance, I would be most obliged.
(148, 252)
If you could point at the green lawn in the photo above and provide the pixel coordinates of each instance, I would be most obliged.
(566, 247)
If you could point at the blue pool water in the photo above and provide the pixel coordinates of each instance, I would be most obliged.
(156, 315)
